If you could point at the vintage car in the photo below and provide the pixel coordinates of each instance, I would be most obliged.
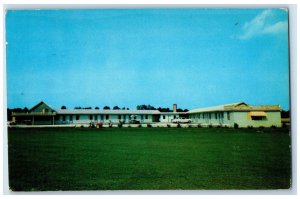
(181, 120)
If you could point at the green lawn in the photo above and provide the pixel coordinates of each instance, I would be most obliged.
(149, 159)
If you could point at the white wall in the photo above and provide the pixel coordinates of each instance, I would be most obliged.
(244, 120)
(241, 118)
(209, 118)
(167, 117)
(85, 119)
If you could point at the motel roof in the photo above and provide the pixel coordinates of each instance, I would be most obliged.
(117, 112)
(240, 106)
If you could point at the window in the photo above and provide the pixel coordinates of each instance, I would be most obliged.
(91, 117)
(258, 117)
(216, 115)
(146, 117)
(228, 115)
(107, 117)
(64, 118)
(77, 117)
(101, 117)
(142, 117)
(209, 115)
(119, 117)
(202, 115)
(71, 117)
(124, 117)
(96, 117)
(164, 117)
(46, 110)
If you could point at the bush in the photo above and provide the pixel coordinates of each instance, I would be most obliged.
(120, 125)
(149, 125)
(199, 126)
(129, 126)
(273, 127)
(178, 125)
(99, 125)
(210, 126)
(236, 126)
(250, 127)
(139, 125)
(168, 125)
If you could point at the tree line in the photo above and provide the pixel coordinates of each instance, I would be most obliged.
(138, 107)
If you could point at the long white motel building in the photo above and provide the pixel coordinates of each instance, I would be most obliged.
(229, 115)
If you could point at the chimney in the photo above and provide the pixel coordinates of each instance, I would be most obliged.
(174, 108)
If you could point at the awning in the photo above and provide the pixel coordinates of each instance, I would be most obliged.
(258, 114)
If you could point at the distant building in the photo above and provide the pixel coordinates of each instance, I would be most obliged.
(240, 114)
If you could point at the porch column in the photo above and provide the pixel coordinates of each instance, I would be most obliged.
(33, 120)
(53, 120)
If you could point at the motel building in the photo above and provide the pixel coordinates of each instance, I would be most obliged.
(240, 114)
(229, 115)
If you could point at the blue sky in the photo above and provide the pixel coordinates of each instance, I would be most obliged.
(126, 57)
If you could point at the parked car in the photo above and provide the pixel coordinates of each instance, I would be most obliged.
(134, 122)
(181, 120)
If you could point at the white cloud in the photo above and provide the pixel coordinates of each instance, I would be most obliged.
(260, 25)
(280, 26)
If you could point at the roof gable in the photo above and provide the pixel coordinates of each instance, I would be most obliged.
(240, 106)
(41, 107)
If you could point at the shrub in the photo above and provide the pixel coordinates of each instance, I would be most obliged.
(273, 126)
(120, 125)
(199, 126)
(168, 125)
(99, 125)
(129, 126)
(210, 126)
(178, 125)
(139, 125)
(149, 125)
(236, 126)
(250, 127)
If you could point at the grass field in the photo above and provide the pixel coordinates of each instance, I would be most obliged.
(149, 159)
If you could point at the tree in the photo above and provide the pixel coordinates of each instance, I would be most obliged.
(145, 107)
(116, 108)
(106, 108)
(77, 107)
(163, 109)
(97, 108)
(63, 107)
(285, 114)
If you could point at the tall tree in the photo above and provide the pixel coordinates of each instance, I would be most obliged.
(116, 108)
(106, 108)
(63, 107)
